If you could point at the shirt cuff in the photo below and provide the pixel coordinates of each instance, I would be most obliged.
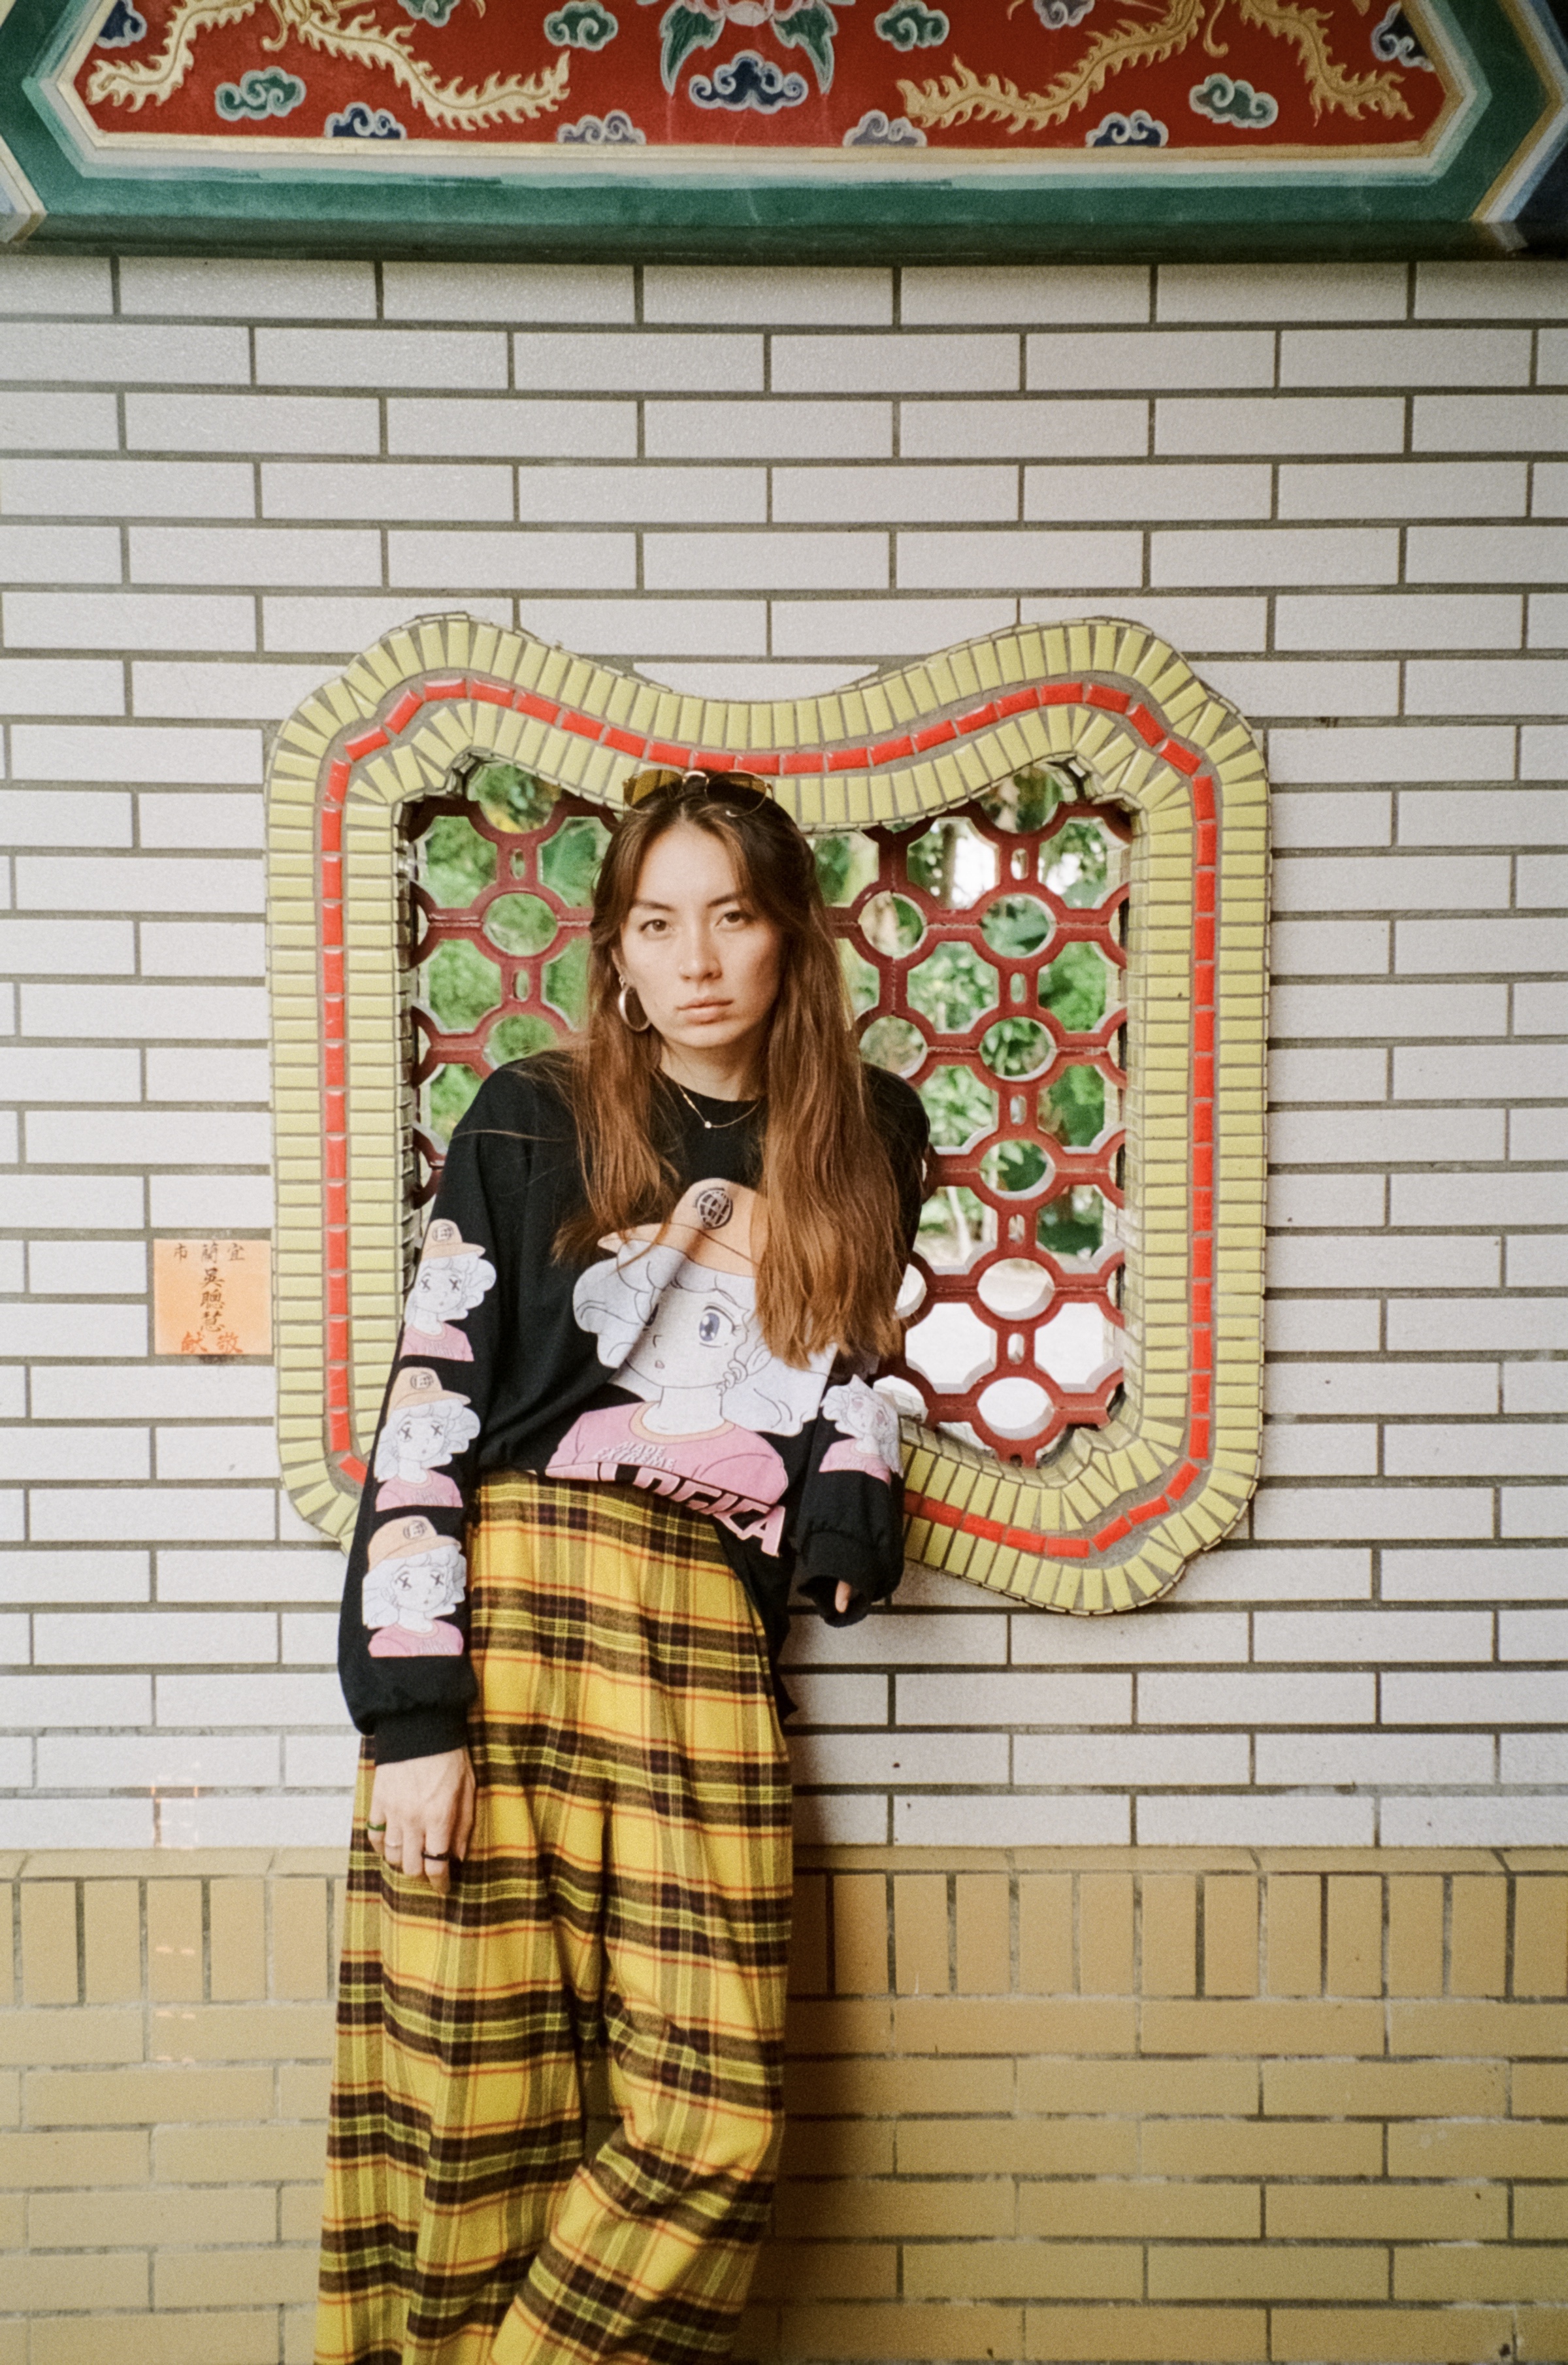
(419, 1733)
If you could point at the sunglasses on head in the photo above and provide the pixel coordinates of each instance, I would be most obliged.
(743, 791)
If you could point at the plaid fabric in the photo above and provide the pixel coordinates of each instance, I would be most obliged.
(627, 1897)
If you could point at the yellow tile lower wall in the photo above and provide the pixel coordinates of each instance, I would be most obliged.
(1063, 2104)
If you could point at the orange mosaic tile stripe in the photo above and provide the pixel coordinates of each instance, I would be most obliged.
(1113, 1518)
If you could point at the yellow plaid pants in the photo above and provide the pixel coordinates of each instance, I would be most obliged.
(626, 1897)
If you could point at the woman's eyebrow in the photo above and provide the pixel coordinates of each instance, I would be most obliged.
(646, 903)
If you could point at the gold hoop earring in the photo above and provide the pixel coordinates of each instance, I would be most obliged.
(630, 1023)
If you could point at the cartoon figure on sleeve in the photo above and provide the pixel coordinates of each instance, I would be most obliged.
(453, 1278)
(674, 1309)
(425, 1426)
(414, 1576)
(870, 1427)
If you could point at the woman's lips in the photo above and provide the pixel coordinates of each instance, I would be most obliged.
(703, 1009)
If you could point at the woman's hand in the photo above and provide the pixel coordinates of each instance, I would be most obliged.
(843, 1597)
(421, 1814)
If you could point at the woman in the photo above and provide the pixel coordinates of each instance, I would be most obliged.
(660, 1270)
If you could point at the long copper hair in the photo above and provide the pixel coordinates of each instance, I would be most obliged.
(831, 1267)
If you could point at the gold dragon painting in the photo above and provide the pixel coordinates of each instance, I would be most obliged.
(326, 26)
(1151, 33)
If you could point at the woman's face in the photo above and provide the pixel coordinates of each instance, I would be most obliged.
(704, 962)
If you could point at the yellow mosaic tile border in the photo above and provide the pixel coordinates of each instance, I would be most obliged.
(1117, 1514)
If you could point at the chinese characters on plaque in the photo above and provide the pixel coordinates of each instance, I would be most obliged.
(212, 1297)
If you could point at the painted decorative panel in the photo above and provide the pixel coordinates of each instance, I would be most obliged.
(993, 825)
(855, 127)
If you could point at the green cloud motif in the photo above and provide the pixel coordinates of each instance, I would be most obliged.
(910, 25)
(259, 94)
(1224, 101)
(581, 24)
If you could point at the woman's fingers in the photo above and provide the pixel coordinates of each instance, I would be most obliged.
(421, 1813)
(842, 1598)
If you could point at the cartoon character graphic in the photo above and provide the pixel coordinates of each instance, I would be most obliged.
(870, 1427)
(674, 1309)
(414, 1576)
(453, 1278)
(425, 1426)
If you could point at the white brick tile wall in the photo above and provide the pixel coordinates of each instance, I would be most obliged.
(377, 357)
(231, 1450)
(1465, 756)
(1406, 357)
(60, 553)
(41, 817)
(118, 354)
(210, 290)
(1543, 751)
(1206, 292)
(1462, 291)
(1489, 553)
(1276, 554)
(509, 428)
(341, 625)
(1534, 1511)
(507, 291)
(225, 488)
(443, 560)
(210, 1203)
(254, 557)
(1284, 424)
(264, 693)
(66, 1268)
(77, 421)
(1413, 488)
(43, 684)
(1155, 490)
(1107, 361)
(151, 1012)
(194, 820)
(35, 1576)
(38, 1452)
(128, 620)
(155, 1515)
(682, 295)
(236, 1574)
(1492, 1572)
(1398, 620)
(952, 494)
(750, 483)
(57, 282)
(945, 296)
(1056, 429)
(1259, 1821)
(77, 883)
(917, 363)
(1022, 559)
(251, 422)
(351, 489)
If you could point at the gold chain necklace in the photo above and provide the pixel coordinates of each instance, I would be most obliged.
(710, 1125)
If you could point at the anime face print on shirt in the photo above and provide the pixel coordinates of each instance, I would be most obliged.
(868, 1429)
(453, 1277)
(413, 1577)
(674, 1310)
(425, 1426)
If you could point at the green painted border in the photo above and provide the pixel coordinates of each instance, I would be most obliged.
(1252, 212)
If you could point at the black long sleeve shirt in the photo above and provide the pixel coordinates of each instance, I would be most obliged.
(645, 1366)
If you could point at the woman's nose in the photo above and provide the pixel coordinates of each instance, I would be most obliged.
(699, 955)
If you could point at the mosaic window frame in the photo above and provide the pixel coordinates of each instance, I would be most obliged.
(1111, 1520)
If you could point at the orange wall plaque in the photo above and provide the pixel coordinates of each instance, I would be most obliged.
(212, 1297)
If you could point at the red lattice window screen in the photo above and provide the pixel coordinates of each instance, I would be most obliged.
(984, 957)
